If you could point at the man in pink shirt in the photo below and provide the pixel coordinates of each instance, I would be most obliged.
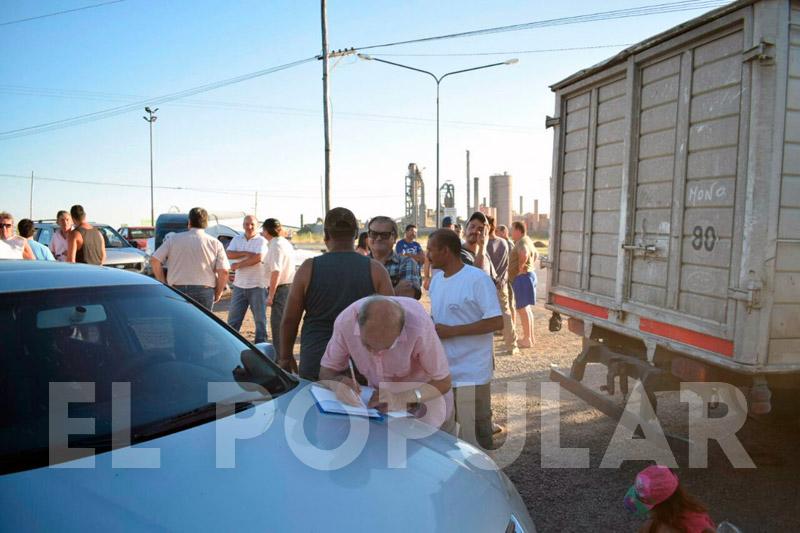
(393, 342)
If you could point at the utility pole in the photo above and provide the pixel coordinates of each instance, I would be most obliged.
(326, 108)
(151, 118)
(255, 209)
(30, 202)
(468, 209)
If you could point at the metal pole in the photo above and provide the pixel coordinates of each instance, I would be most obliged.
(437, 154)
(468, 209)
(326, 108)
(152, 196)
(30, 204)
(255, 209)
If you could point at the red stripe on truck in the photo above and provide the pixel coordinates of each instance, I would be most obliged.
(687, 336)
(578, 305)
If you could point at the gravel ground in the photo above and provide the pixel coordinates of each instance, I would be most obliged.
(590, 499)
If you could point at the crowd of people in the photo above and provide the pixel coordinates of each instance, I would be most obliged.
(75, 241)
(359, 303)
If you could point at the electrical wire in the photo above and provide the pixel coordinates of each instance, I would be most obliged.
(241, 106)
(10, 22)
(230, 192)
(106, 113)
(510, 52)
(656, 9)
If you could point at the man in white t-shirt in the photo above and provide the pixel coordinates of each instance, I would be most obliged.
(466, 312)
(12, 246)
(249, 286)
(279, 269)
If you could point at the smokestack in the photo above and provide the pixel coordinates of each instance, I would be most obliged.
(484, 200)
(521, 212)
(536, 208)
(476, 196)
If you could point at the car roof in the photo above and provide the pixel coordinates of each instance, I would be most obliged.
(26, 276)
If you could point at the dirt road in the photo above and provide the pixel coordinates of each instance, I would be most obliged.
(590, 499)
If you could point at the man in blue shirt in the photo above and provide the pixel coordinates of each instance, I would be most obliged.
(40, 251)
(409, 246)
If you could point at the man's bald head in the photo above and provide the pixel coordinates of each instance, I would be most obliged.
(380, 320)
(249, 225)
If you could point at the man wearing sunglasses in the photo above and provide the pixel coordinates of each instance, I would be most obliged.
(12, 246)
(402, 269)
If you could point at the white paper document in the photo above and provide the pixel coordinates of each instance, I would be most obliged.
(327, 401)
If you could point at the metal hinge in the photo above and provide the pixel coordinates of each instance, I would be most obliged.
(763, 51)
(551, 122)
(646, 248)
(751, 295)
(546, 262)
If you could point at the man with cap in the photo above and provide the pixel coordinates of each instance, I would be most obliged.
(323, 287)
(279, 269)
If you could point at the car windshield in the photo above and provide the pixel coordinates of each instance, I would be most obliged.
(140, 233)
(112, 238)
(167, 348)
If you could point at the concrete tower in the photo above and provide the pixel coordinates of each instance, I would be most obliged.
(501, 197)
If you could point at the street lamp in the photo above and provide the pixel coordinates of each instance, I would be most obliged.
(438, 80)
(151, 118)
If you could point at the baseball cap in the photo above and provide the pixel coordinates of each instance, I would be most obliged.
(447, 221)
(652, 486)
(341, 220)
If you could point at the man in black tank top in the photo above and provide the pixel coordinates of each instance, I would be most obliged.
(86, 243)
(323, 287)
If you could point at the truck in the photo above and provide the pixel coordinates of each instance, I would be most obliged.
(675, 204)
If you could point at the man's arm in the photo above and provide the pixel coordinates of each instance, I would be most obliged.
(292, 314)
(409, 284)
(27, 253)
(103, 254)
(158, 269)
(380, 279)
(250, 260)
(233, 254)
(523, 260)
(426, 275)
(487, 325)
(72, 245)
(222, 282)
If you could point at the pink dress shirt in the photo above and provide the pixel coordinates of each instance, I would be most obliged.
(416, 357)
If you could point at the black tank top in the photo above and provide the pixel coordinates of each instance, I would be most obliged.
(91, 252)
(337, 280)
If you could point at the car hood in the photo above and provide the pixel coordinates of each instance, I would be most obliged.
(282, 480)
(115, 256)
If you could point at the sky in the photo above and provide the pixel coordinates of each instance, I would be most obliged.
(266, 134)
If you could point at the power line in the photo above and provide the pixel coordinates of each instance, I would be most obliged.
(106, 113)
(685, 5)
(215, 104)
(232, 192)
(8, 23)
(510, 52)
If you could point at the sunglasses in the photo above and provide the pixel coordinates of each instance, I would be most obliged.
(6, 225)
(375, 235)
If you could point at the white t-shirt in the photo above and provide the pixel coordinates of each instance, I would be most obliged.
(251, 276)
(465, 297)
(13, 248)
(281, 258)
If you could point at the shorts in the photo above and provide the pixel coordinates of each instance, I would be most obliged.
(524, 287)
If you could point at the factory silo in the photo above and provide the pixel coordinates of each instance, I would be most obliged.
(501, 197)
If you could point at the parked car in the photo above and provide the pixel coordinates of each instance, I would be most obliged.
(119, 252)
(137, 235)
(78, 332)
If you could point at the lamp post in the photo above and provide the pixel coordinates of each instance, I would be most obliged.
(438, 80)
(151, 118)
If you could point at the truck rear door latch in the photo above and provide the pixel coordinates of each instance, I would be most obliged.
(646, 248)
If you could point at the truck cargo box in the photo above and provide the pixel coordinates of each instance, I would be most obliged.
(676, 191)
